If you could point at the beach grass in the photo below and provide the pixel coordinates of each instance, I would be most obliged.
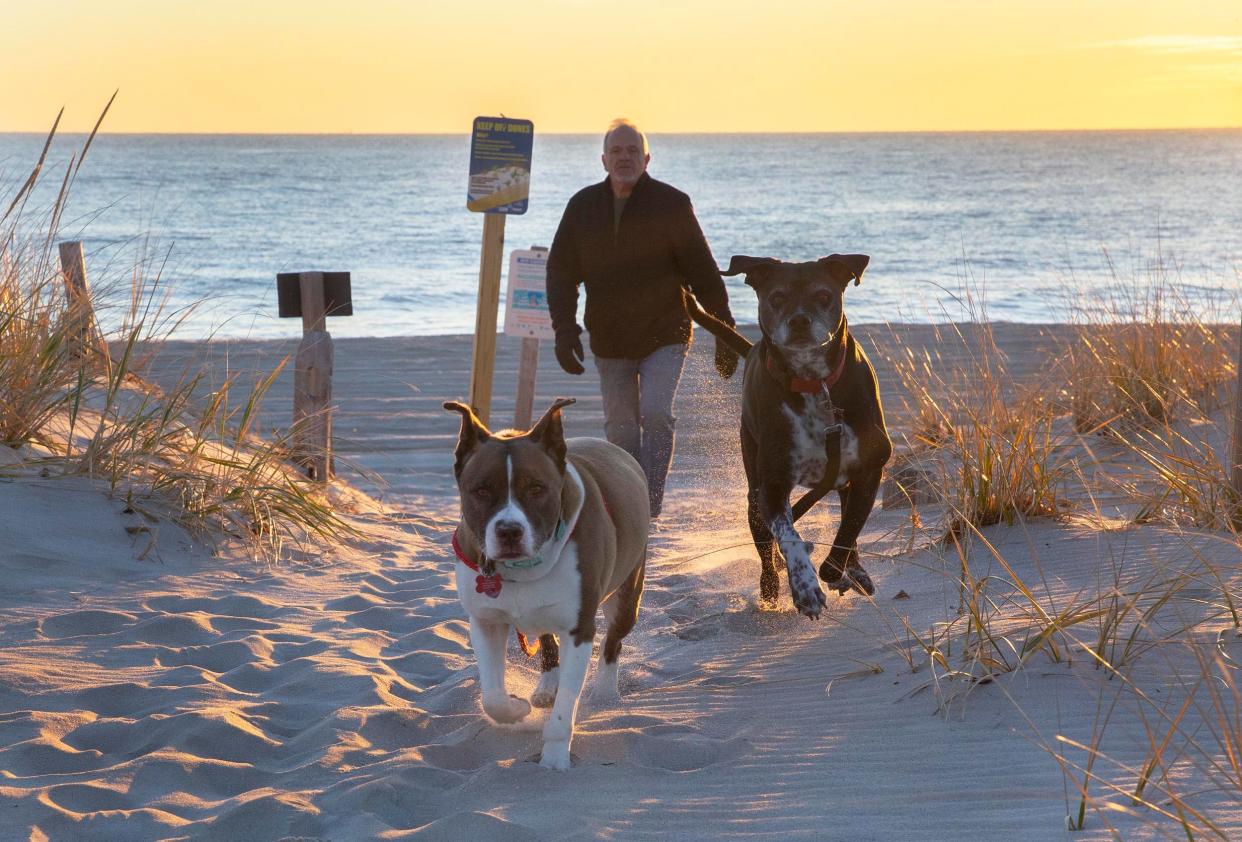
(1125, 427)
(200, 463)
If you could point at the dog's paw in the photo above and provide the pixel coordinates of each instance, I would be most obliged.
(506, 711)
(853, 577)
(556, 756)
(809, 601)
(545, 691)
(805, 590)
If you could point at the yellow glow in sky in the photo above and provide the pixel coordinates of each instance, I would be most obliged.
(572, 65)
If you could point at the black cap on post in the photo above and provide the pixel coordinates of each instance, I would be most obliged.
(337, 296)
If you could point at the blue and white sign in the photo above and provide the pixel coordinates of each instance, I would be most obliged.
(526, 305)
(500, 155)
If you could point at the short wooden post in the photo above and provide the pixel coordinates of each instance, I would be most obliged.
(483, 361)
(86, 334)
(312, 383)
(1235, 474)
(528, 369)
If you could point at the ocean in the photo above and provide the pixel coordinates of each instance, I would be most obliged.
(1025, 227)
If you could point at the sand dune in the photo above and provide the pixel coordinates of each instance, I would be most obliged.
(333, 696)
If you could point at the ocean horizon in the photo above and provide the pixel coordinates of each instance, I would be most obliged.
(1024, 226)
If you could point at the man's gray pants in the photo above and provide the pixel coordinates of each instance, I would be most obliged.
(638, 410)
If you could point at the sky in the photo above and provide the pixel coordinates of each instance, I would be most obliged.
(410, 66)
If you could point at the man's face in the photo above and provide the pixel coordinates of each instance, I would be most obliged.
(624, 158)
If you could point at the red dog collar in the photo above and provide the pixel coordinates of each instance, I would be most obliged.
(807, 385)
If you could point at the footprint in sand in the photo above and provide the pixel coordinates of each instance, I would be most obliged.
(355, 602)
(426, 668)
(231, 605)
(37, 757)
(176, 630)
(482, 750)
(740, 618)
(472, 826)
(85, 623)
(276, 816)
(216, 657)
(128, 698)
(380, 585)
(685, 752)
(85, 798)
(387, 619)
(160, 775)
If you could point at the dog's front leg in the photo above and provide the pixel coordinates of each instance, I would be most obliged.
(841, 570)
(808, 598)
(488, 641)
(559, 730)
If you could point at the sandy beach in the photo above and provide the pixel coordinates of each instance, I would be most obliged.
(154, 687)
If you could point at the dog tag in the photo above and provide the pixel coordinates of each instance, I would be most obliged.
(488, 585)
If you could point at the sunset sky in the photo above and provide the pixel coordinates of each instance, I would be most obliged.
(672, 65)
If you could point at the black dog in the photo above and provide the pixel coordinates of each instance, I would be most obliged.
(811, 416)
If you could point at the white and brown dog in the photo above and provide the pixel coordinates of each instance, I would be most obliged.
(551, 530)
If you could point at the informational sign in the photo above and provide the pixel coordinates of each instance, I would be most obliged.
(500, 155)
(526, 305)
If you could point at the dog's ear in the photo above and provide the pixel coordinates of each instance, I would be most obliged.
(549, 433)
(846, 267)
(473, 433)
(753, 267)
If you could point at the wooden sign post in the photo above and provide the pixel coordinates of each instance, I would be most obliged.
(500, 157)
(86, 334)
(1235, 473)
(528, 368)
(314, 296)
(483, 360)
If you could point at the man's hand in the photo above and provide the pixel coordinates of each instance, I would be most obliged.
(726, 359)
(569, 350)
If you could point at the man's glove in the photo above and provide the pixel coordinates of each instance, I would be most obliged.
(569, 350)
(726, 359)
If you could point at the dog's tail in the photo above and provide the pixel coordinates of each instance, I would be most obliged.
(726, 334)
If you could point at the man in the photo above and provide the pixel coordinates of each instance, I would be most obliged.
(634, 243)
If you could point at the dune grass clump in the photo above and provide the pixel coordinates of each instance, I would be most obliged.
(37, 367)
(986, 444)
(1151, 375)
(169, 452)
(1142, 355)
(1005, 620)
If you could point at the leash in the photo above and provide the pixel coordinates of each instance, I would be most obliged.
(832, 466)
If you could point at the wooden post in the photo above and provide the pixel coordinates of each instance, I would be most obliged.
(483, 361)
(312, 383)
(1235, 474)
(87, 335)
(528, 368)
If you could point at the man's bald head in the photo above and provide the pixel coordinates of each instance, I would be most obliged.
(625, 156)
(622, 122)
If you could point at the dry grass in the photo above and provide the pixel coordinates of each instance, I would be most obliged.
(984, 443)
(36, 364)
(1141, 406)
(198, 463)
(1144, 355)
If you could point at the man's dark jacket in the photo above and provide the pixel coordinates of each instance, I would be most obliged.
(633, 277)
